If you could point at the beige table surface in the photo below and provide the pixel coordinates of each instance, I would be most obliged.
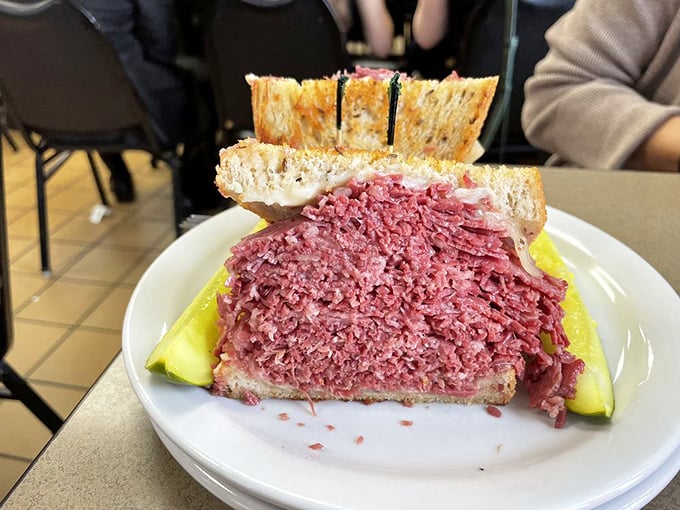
(108, 456)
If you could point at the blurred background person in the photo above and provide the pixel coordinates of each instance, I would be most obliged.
(377, 26)
(143, 33)
(607, 95)
(437, 29)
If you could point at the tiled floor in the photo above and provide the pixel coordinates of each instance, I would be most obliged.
(67, 327)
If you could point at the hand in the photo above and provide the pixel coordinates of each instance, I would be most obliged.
(661, 151)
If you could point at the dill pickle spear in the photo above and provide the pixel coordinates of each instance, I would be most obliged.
(185, 353)
(594, 389)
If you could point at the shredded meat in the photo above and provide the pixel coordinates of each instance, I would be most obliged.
(380, 286)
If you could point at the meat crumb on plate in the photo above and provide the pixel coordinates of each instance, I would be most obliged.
(494, 411)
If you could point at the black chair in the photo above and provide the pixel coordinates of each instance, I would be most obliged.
(507, 37)
(294, 38)
(16, 387)
(66, 90)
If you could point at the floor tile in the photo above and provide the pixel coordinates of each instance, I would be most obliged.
(12, 158)
(79, 359)
(18, 247)
(63, 302)
(141, 233)
(24, 196)
(62, 255)
(21, 434)
(133, 276)
(10, 471)
(24, 287)
(110, 314)
(27, 224)
(15, 213)
(158, 208)
(75, 172)
(80, 228)
(62, 399)
(105, 264)
(71, 199)
(32, 342)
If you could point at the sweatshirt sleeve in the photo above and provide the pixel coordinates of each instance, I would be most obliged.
(587, 101)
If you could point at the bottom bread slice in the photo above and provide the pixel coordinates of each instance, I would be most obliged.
(232, 382)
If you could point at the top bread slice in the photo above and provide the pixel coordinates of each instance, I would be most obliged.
(276, 181)
(441, 119)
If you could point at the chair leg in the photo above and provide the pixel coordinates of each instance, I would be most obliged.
(20, 390)
(40, 181)
(97, 179)
(177, 196)
(10, 140)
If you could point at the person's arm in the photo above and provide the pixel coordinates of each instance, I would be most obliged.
(430, 22)
(590, 100)
(661, 151)
(377, 25)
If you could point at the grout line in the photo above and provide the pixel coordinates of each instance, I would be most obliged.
(54, 384)
(15, 457)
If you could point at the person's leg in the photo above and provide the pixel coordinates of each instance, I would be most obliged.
(121, 180)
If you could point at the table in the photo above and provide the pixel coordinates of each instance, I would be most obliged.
(107, 454)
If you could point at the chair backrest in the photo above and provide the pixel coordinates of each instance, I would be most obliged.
(482, 52)
(59, 74)
(295, 38)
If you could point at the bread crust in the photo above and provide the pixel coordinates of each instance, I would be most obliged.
(442, 119)
(276, 181)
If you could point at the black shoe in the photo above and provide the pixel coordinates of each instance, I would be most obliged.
(123, 188)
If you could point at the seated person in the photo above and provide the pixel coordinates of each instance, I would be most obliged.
(607, 95)
(437, 28)
(142, 33)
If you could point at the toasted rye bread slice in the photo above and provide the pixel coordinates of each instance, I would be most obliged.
(276, 181)
(441, 119)
(234, 383)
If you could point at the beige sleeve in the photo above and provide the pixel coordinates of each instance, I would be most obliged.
(594, 98)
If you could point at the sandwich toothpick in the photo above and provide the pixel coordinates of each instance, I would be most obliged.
(342, 80)
(393, 95)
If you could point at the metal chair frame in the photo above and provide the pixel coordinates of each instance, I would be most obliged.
(53, 149)
(16, 387)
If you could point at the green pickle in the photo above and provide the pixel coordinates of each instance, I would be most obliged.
(185, 353)
(594, 389)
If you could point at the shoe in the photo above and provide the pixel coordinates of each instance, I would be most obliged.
(123, 188)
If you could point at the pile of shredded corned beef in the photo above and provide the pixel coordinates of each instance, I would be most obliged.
(385, 287)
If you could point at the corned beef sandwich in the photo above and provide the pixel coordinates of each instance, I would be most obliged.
(384, 277)
(436, 118)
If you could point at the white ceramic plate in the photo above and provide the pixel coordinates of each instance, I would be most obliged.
(633, 499)
(450, 455)
(235, 498)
